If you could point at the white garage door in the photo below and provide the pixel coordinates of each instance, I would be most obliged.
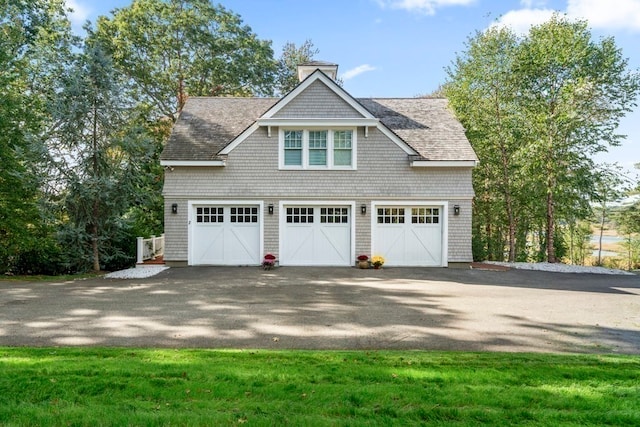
(225, 235)
(409, 235)
(316, 235)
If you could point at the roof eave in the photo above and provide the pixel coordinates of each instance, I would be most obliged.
(422, 163)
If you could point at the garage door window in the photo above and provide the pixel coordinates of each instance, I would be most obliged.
(391, 216)
(209, 214)
(244, 214)
(334, 215)
(425, 215)
(299, 215)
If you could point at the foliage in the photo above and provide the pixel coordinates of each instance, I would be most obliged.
(98, 153)
(82, 124)
(65, 386)
(171, 49)
(33, 33)
(536, 109)
(483, 92)
(290, 58)
(377, 261)
(577, 235)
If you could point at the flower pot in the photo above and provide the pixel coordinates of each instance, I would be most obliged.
(363, 264)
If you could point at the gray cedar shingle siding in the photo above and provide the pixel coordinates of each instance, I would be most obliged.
(317, 101)
(383, 174)
(207, 125)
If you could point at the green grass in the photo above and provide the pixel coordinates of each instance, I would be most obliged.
(147, 387)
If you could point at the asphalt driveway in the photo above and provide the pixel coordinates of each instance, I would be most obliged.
(330, 308)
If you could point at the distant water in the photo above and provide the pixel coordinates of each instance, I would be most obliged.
(605, 240)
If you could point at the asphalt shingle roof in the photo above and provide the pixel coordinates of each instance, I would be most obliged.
(208, 124)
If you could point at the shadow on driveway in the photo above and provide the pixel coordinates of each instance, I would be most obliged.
(330, 308)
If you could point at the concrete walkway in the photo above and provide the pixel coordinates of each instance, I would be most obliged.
(331, 308)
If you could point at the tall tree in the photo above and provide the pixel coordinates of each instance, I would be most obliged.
(171, 49)
(483, 90)
(290, 58)
(33, 32)
(99, 152)
(536, 109)
(574, 92)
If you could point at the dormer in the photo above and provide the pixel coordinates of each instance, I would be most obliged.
(307, 68)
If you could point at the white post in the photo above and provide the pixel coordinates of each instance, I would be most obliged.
(153, 246)
(139, 249)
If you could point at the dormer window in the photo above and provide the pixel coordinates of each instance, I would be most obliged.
(317, 148)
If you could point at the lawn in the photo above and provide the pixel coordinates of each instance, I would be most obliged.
(149, 387)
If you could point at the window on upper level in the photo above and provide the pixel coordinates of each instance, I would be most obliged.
(317, 149)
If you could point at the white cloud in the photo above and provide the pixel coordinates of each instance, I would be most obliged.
(521, 20)
(427, 7)
(357, 71)
(603, 14)
(621, 14)
(79, 14)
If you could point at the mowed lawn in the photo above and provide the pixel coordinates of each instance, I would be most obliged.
(151, 387)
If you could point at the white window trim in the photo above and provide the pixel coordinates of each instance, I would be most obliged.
(330, 149)
(444, 216)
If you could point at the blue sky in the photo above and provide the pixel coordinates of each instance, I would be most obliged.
(400, 48)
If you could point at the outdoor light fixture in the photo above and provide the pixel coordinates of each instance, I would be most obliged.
(456, 209)
(174, 208)
(363, 209)
(270, 208)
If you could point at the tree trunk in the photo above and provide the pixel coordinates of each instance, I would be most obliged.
(551, 250)
(96, 207)
(600, 237)
(94, 246)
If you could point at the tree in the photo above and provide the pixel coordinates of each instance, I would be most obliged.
(574, 91)
(291, 57)
(608, 188)
(98, 151)
(482, 90)
(33, 32)
(171, 49)
(536, 109)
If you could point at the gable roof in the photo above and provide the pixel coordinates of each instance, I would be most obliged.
(426, 124)
(210, 127)
(207, 124)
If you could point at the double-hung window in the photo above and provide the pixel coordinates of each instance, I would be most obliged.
(293, 148)
(317, 149)
(342, 147)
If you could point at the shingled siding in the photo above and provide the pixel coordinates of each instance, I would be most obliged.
(383, 173)
(317, 101)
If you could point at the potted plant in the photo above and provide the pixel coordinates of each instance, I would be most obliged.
(363, 261)
(377, 261)
(269, 261)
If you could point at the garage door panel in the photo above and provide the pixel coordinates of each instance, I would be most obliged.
(225, 235)
(409, 236)
(209, 246)
(316, 235)
(299, 244)
(334, 244)
(241, 241)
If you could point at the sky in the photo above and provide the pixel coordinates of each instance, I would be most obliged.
(401, 48)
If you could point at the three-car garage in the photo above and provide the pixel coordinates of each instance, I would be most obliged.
(317, 233)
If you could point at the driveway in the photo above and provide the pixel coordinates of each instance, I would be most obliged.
(331, 308)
